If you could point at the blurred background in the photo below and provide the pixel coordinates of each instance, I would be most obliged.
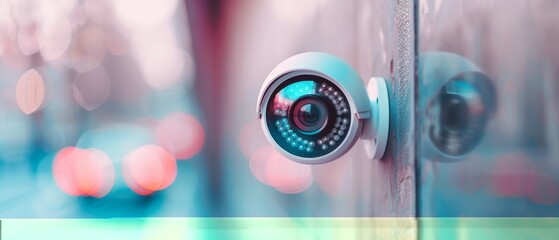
(139, 108)
(98, 111)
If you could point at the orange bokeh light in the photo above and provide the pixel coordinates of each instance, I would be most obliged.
(148, 169)
(83, 172)
(30, 91)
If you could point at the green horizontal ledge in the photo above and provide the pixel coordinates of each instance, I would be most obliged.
(282, 228)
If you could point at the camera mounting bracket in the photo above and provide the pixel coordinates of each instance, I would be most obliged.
(375, 129)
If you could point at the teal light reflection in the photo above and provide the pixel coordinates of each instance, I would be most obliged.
(298, 89)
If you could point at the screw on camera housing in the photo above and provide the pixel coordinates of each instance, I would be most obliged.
(314, 106)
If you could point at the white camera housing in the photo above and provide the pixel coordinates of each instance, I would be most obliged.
(314, 106)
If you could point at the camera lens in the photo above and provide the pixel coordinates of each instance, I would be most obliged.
(308, 116)
(454, 112)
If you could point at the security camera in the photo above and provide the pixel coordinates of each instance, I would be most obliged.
(459, 102)
(314, 106)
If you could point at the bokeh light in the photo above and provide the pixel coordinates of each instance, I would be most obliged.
(83, 172)
(545, 190)
(259, 162)
(293, 11)
(27, 39)
(148, 169)
(137, 13)
(273, 169)
(251, 138)
(94, 173)
(88, 49)
(288, 176)
(62, 170)
(181, 134)
(512, 175)
(6, 25)
(55, 8)
(92, 88)
(163, 65)
(12, 56)
(54, 38)
(30, 91)
(117, 44)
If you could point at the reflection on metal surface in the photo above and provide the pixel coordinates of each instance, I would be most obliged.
(512, 170)
(457, 116)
